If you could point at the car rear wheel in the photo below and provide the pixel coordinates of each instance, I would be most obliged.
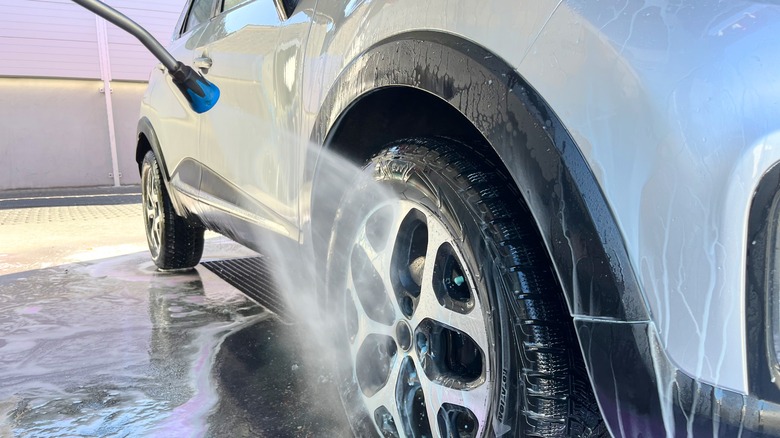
(173, 242)
(452, 319)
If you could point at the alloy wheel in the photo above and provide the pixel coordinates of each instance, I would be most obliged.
(153, 210)
(418, 336)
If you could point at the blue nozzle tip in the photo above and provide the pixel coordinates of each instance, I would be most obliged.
(201, 104)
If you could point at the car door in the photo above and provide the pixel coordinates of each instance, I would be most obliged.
(177, 126)
(249, 165)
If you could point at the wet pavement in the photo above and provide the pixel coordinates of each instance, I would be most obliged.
(111, 347)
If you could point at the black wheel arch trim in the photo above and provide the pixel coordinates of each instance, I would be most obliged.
(761, 297)
(570, 209)
(146, 129)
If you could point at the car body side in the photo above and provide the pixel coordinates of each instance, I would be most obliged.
(663, 120)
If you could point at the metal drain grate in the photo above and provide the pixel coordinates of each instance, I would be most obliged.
(254, 277)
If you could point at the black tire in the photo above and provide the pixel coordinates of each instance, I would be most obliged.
(538, 384)
(173, 241)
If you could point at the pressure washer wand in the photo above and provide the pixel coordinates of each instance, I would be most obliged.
(199, 92)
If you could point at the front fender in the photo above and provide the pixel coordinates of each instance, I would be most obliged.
(146, 131)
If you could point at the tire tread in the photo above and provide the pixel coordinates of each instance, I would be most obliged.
(558, 400)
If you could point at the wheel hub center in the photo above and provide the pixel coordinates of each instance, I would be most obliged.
(403, 335)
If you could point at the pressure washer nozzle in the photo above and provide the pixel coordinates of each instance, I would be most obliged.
(199, 92)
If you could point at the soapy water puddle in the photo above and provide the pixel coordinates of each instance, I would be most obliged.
(115, 348)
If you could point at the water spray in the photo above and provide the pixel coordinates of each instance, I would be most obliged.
(201, 94)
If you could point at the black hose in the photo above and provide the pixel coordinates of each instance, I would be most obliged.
(133, 29)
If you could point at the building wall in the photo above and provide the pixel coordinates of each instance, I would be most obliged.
(55, 130)
(57, 38)
(55, 133)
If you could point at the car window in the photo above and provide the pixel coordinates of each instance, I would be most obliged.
(289, 6)
(284, 6)
(200, 12)
(230, 4)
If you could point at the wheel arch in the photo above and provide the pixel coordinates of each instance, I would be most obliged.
(460, 81)
(146, 141)
(393, 112)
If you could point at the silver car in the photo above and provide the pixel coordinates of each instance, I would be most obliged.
(577, 231)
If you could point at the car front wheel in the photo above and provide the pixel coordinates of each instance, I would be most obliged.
(453, 322)
(173, 242)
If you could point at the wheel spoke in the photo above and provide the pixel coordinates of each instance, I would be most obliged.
(366, 326)
(437, 236)
(471, 323)
(370, 288)
(387, 396)
(149, 196)
(378, 233)
(378, 245)
(380, 260)
(475, 399)
(378, 249)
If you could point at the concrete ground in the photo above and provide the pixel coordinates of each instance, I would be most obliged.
(94, 341)
(39, 229)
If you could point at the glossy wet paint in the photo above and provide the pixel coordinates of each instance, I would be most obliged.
(115, 348)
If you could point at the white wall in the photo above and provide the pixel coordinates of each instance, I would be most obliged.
(57, 38)
(54, 118)
(129, 59)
